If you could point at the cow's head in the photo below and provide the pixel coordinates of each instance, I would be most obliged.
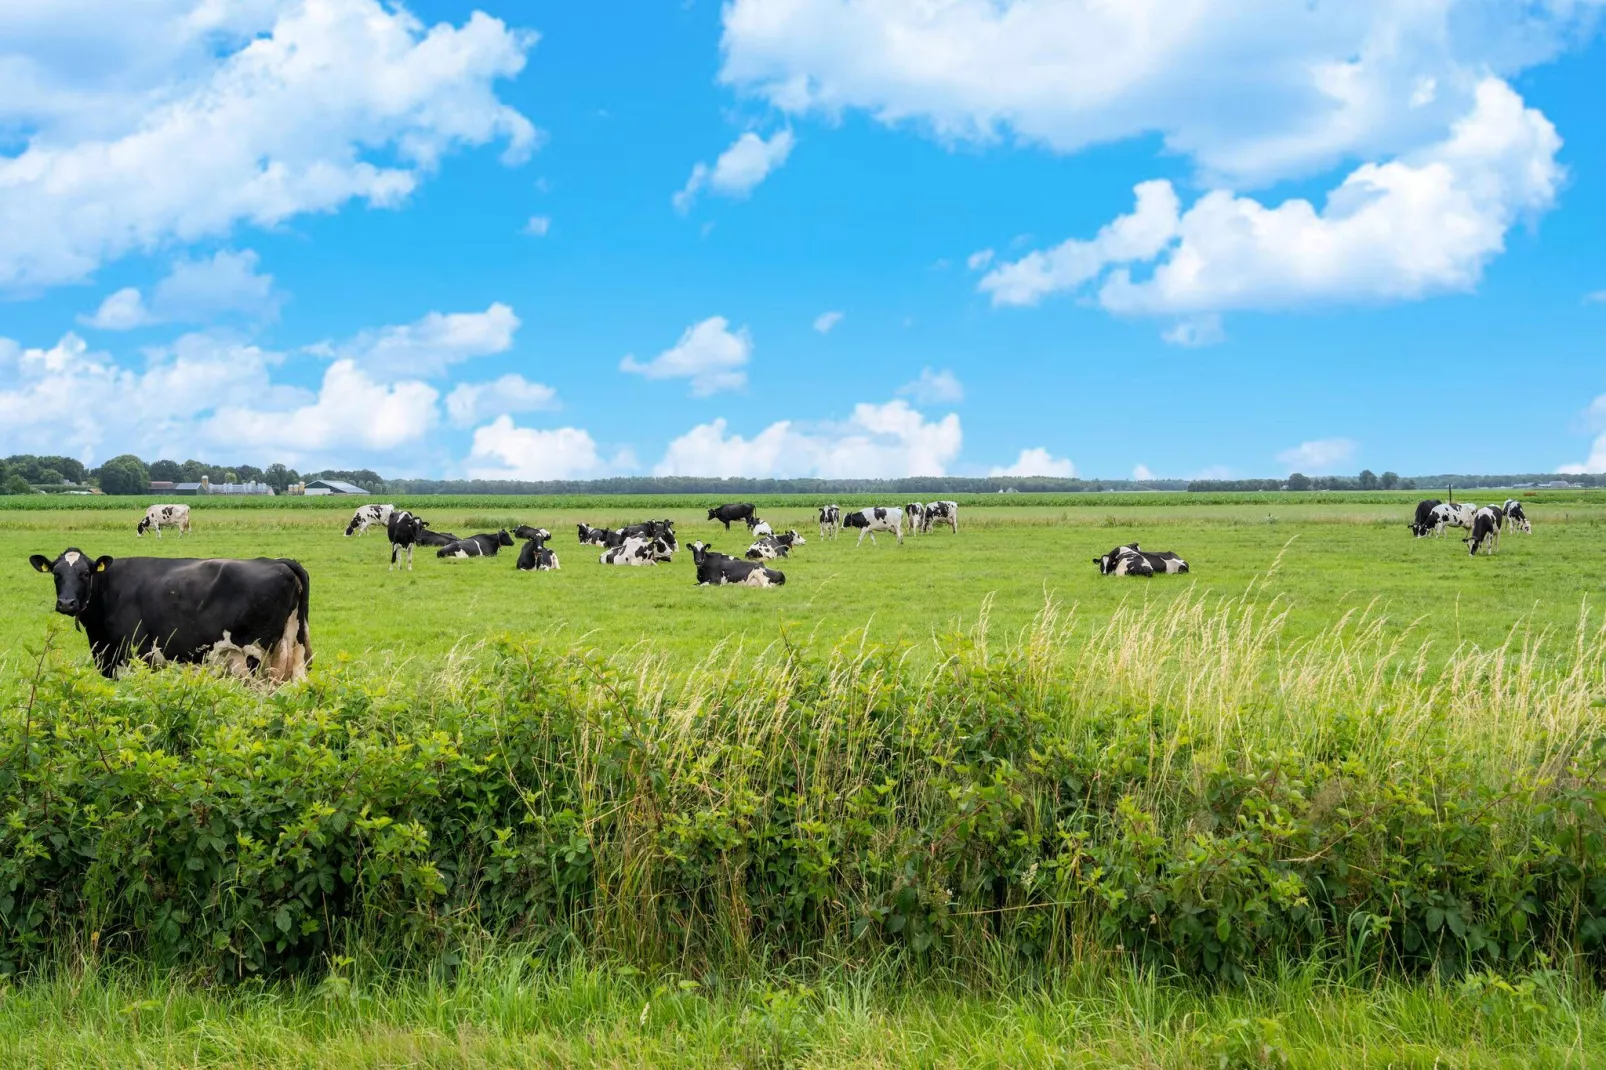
(503, 538)
(74, 574)
(752, 520)
(713, 514)
(145, 525)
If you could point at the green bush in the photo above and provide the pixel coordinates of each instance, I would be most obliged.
(1031, 802)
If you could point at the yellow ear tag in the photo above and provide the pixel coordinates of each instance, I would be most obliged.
(100, 566)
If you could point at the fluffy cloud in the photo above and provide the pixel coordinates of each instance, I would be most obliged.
(429, 346)
(503, 450)
(351, 410)
(933, 388)
(1142, 474)
(889, 440)
(1038, 462)
(826, 320)
(1318, 455)
(252, 112)
(1250, 91)
(740, 168)
(709, 353)
(1597, 452)
(195, 291)
(1425, 223)
(470, 403)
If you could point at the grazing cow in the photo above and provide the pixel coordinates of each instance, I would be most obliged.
(1120, 562)
(732, 511)
(590, 536)
(1485, 530)
(637, 551)
(1515, 517)
(830, 521)
(369, 514)
(875, 519)
(717, 570)
(172, 515)
(476, 545)
(1423, 523)
(940, 513)
(248, 616)
(761, 528)
(914, 515)
(1452, 515)
(534, 556)
(405, 531)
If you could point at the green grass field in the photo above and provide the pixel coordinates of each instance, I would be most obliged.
(1336, 555)
(1211, 820)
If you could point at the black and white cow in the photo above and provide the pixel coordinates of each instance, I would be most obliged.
(174, 516)
(1122, 561)
(535, 556)
(369, 514)
(940, 513)
(760, 528)
(914, 516)
(874, 519)
(1423, 522)
(830, 521)
(1515, 517)
(1452, 515)
(1485, 530)
(637, 551)
(248, 616)
(590, 536)
(405, 531)
(437, 539)
(717, 570)
(732, 511)
(476, 545)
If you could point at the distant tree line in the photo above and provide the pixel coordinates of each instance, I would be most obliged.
(1369, 480)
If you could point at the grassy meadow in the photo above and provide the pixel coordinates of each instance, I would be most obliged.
(1337, 554)
(1337, 798)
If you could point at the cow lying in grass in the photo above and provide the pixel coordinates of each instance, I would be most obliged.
(769, 547)
(717, 570)
(476, 545)
(535, 557)
(1131, 561)
(638, 551)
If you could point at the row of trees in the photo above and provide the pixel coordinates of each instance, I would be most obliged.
(1367, 480)
(21, 472)
(129, 474)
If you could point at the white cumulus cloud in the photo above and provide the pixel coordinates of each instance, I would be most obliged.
(709, 353)
(1037, 462)
(429, 346)
(352, 410)
(1251, 92)
(740, 168)
(195, 291)
(504, 450)
(210, 115)
(888, 440)
(469, 403)
(1317, 455)
(1421, 224)
(934, 388)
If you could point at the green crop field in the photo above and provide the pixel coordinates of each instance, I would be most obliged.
(1336, 798)
(1335, 555)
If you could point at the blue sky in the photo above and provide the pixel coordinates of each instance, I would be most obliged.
(806, 237)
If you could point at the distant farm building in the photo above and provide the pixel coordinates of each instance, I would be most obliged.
(331, 486)
(206, 486)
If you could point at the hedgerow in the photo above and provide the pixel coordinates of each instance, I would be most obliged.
(1180, 788)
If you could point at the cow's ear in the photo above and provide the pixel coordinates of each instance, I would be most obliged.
(40, 562)
(101, 562)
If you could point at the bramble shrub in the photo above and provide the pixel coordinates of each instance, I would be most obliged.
(1040, 800)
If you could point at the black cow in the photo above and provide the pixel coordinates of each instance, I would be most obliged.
(716, 570)
(249, 616)
(476, 545)
(405, 531)
(590, 536)
(830, 521)
(733, 511)
(1485, 530)
(434, 538)
(525, 531)
(534, 556)
(1423, 523)
(1131, 561)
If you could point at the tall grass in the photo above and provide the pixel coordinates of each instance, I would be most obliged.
(1179, 787)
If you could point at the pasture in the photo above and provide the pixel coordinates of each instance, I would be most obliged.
(1334, 556)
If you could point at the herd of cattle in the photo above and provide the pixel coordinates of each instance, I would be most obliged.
(1483, 526)
(250, 616)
